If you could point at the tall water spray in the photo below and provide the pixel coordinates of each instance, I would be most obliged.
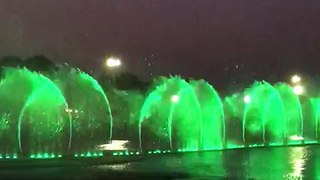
(89, 107)
(180, 112)
(16, 89)
(263, 112)
(292, 111)
(213, 119)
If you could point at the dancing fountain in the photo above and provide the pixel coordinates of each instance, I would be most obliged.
(68, 113)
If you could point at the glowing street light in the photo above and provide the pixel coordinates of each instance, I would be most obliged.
(175, 98)
(113, 62)
(295, 79)
(247, 99)
(298, 89)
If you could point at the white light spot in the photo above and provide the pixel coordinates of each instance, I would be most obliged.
(298, 89)
(296, 138)
(175, 98)
(295, 79)
(113, 62)
(247, 99)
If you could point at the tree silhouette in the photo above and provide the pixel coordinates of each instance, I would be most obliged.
(40, 64)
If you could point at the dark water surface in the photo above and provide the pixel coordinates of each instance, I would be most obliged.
(257, 163)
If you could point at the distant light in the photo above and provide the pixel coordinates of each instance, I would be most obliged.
(295, 79)
(114, 145)
(296, 138)
(298, 89)
(175, 98)
(247, 99)
(113, 62)
(68, 110)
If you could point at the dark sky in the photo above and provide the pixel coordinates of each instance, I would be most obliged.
(188, 37)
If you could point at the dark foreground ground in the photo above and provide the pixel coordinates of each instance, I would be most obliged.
(258, 163)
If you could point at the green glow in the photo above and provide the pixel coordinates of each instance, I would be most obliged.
(173, 114)
(315, 103)
(98, 88)
(88, 154)
(42, 118)
(213, 122)
(292, 109)
(44, 103)
(39, 156)
(89, 106)
(15, 88)
(264, 114)
(15, 156)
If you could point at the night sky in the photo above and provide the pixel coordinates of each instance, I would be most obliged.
(187, 37)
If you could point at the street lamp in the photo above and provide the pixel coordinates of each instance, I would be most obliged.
(298, 89)
(113, 62)
(295, 79)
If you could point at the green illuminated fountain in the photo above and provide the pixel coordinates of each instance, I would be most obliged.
(43, 120)
(173, 111)
(315, 115)
(263, 118)
(213, 122)
(292, 111)
(32, 111)
(68, 112)
(89, 108)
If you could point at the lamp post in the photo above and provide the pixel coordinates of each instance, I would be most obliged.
(112, 64)
(298, 89)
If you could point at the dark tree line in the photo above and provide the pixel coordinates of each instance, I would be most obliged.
(44, 65)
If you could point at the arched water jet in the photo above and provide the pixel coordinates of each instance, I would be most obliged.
(276, 109)
(263, 111)
(234, 106)
(89, 106)
(47, 96)
(213, 118)
(178, 92)
(97, 86)
(292, 110)
(15, 88)
(315, 103)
